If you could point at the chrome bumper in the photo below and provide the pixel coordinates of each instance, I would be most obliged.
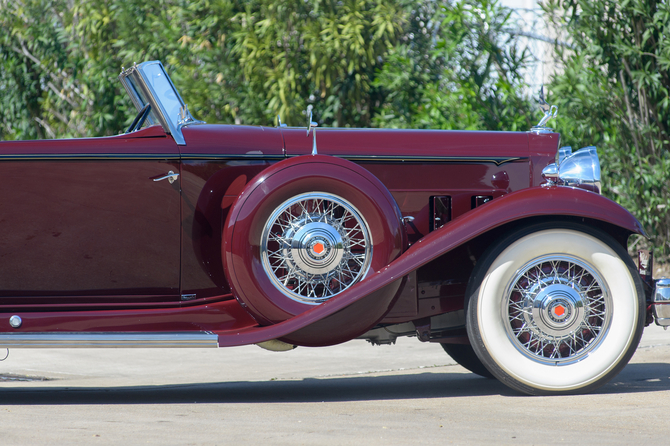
(661, 302)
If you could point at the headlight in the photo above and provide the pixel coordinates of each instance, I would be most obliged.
(580, 169)
(562, 154)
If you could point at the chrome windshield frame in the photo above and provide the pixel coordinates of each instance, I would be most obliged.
(141, 83)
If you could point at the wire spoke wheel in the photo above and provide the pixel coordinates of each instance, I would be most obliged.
(558, 309)
(555, 308)
(314, 246)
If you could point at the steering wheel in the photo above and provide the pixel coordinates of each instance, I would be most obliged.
(139, 119)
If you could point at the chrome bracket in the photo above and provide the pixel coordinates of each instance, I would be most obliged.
(185, 117)
(311, 125)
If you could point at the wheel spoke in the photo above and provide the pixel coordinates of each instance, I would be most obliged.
(556, 309)
(316, 246)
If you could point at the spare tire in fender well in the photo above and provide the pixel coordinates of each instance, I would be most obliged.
(326, 218)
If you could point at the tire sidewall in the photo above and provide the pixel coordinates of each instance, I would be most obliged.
(487, 323)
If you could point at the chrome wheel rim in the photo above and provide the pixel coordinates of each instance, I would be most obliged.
(314, 246)
(558, 309)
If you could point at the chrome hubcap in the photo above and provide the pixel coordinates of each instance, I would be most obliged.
(315, 246)
(558, 309)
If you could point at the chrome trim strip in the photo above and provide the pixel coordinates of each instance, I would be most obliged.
(429, 159)
(90, 157)
(215, 157)
(109, 340)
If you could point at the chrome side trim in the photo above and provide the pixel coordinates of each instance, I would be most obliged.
(230, 157)
(91, 157)
(109, 340)
(427, 159)
(661, 302)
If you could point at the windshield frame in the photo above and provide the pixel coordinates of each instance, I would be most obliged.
(141, 82)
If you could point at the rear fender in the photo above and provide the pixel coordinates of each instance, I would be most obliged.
(516, 206)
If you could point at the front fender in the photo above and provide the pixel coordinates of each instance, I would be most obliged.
(527, 203)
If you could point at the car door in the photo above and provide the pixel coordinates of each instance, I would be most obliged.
(91, 221)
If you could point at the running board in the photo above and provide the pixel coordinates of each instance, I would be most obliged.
(109, 340)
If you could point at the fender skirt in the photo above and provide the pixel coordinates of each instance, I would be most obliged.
(527, 203)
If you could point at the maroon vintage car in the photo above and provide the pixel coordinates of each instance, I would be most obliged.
(496, 245)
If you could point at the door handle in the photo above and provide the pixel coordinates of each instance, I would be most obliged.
(171, 176)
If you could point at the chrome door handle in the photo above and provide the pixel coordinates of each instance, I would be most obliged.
(171, 176)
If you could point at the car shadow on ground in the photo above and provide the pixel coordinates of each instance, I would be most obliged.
(639, 377)
(634, 378)
(357, 388)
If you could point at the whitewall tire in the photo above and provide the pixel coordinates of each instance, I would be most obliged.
(555, 309)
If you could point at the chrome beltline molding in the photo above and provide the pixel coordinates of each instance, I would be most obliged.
(498, 161)
(91, 157)
(431, 159)
(109, 340)
(135, 157)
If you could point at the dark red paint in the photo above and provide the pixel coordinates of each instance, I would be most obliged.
(89, 242)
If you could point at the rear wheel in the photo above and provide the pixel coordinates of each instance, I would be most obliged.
(555, 309)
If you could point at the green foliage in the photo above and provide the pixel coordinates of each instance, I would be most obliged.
(324, 53)
(59, 65)
(613, 93)
(470, 79)
(385, 63)
(31, 43)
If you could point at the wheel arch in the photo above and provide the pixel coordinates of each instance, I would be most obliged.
(461, 260)
(462, 242)
(478, 247)
(619, 233)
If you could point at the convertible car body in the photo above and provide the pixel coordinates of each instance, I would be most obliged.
(496, 245)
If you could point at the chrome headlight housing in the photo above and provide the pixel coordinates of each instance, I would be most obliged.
(580, 169)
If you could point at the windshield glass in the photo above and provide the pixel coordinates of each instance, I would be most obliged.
(165, 93)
